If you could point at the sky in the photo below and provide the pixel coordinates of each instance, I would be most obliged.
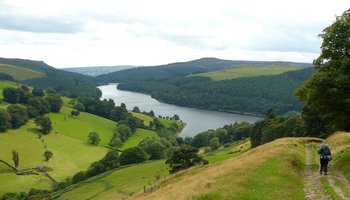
(78, 33)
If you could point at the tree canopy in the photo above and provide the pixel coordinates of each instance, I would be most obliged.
(327, 93)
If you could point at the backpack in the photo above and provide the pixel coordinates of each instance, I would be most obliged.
(329, 157)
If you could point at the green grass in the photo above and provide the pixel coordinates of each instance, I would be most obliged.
(20, 73)
(340, 145)
(167, 123)
(328, 189)
(146, 119)
(247, 71)
(69, 156)
(119, 183)
(79, 127)
(5, 84)
(137, 137)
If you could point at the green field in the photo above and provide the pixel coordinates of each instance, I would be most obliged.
(79, 127)
(247, 71)
(20, 73)
(137, 137)
(146, 119)
(69, 156)
(119, 183)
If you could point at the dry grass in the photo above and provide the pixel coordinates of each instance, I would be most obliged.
(233, 176)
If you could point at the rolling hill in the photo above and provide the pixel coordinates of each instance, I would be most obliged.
(182, 68)
(248, 71)
(39, 74)
(20, 73)
(275, 170)
(95, 71)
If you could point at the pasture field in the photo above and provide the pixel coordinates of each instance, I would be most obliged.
(20, 73)
(69, 156)
(247, 71)
(79, 127)
(146, 119)
(137, 137)
(118, 183)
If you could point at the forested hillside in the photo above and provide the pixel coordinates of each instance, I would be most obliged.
(249, 94)
(182, 68)
(66, 83)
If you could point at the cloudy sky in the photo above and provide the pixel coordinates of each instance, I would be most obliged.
(73, 33)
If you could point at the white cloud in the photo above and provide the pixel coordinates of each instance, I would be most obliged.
(112, 32)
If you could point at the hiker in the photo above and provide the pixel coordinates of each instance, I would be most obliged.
(325, 157)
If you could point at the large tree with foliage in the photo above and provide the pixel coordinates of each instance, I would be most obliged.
(184, 157)
(19, 115)
(5, 120)
(327, 93)
(55, 102)
(44, 123)
(132, 155)
(94, 138)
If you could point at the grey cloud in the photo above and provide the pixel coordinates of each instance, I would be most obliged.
(39, 25)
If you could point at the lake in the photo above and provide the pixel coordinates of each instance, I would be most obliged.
(197, 120)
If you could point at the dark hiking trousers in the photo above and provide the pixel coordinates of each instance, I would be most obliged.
(324, 163)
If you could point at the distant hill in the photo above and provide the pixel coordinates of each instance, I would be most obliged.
(184, 68)
(248, 71)
(244, 95)
(20, 73)
(39, 74)
(95, 71)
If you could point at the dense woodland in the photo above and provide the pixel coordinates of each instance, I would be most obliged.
(250, 94)
(180, 69)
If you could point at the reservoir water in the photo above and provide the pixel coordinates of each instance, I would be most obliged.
(197, 120)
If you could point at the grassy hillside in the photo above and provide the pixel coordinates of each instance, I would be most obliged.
(146, 119)
(137, 137)
(69, 156)
(340, 146)
(20, 73)
(39, 74)
(248, 71)
(80, 127)
(277, 165)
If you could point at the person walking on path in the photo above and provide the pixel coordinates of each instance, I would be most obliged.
(325, 157)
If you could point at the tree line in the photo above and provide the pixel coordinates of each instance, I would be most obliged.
(26, 104)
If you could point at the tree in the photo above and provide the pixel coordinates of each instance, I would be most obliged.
(55, 103)
(79, 106)
(74, 112)
(15, 158)
(111, 160)
(136, 109)
(94, 138)
(132, 155)
(19, 115)
(123, 131)
(41, 105)
(326, 95)
(11, 95)
(5, 120)
(38, 92)
(48, 154)
(214, 143)
(44, 123)
(176, 117)
(184, 157)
